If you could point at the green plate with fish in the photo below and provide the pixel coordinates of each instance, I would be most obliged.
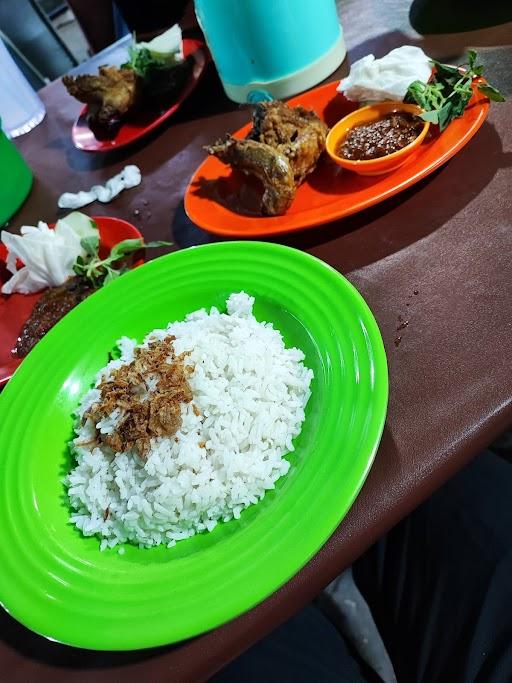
(57, 582)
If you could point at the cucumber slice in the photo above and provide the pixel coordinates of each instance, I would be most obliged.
(78, 223)
(167, 46)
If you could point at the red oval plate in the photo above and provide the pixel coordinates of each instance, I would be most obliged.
(216, 193)
(143, 122)
(16, 308)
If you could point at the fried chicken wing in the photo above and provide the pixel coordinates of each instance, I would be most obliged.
(297, 132)
(110, 94)
(268, 164)
(282, 148)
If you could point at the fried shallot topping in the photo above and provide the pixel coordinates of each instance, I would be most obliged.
(149, 392)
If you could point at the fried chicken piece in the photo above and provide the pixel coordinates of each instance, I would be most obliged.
(269, 165)
(282, 148)
(111, 94)
(296, 132)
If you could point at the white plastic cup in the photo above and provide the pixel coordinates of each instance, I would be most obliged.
(20, 107)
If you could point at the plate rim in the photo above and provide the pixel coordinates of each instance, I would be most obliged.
(380, 399)
(258, 227)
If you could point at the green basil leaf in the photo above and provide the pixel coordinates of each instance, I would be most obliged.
(90, 245)
(125, 247)
(430, 116)
(416, 93)
(142, 61)
(472, 57)
(491, 92)
(444, 115)
(460, 103)
(446, 72)
(157, 243)
(110, 276)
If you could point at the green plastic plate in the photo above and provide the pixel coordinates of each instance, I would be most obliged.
(57, 582)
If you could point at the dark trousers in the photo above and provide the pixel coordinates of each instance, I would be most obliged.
(440, 589)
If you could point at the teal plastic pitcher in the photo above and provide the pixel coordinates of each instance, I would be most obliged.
(270, 49)
(15, 179)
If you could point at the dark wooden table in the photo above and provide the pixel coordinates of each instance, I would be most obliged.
(449, 239)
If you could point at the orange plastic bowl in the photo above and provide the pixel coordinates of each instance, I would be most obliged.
(369, 114)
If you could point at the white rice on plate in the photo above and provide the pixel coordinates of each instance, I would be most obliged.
(249, 395)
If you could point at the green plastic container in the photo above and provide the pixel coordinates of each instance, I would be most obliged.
(15, 179)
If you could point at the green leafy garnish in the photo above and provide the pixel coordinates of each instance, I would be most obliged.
(160, 79)
(143, 62)
(448, 92)
(123, 248)
(90, 245)
(99, 271)
(491, 92)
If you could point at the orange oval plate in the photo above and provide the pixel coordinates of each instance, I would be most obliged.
(225, 202)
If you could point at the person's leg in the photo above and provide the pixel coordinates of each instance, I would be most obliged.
(440, 583)
(305, 649)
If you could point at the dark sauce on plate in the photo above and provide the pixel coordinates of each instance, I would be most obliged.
(391, 133)
(49, 309)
